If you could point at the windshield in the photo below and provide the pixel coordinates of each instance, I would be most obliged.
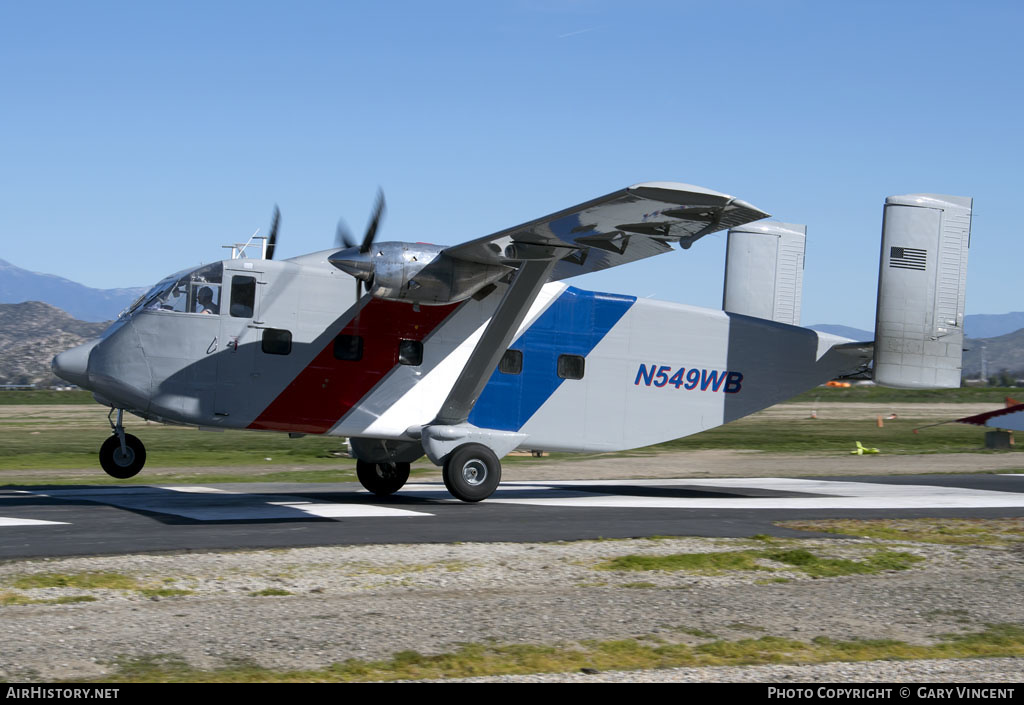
(194, 291)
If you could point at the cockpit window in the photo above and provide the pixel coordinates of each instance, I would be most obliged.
(197, 291)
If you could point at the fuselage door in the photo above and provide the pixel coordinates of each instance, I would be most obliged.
(240, 336)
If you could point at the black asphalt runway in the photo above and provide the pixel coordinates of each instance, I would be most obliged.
(66, 520)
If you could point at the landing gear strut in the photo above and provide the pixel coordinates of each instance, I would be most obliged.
(122, 455)
(382, 479)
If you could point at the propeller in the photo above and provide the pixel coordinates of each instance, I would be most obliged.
(371, 229)
(359, 265)
(272, 238)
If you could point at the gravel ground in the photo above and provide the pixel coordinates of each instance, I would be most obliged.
(368, 602)
(995, 670)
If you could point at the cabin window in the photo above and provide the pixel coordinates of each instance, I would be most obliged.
(410, 352)
(348, 347)
(511, 362)
(243, 296)
(570, 366)
(277, 342)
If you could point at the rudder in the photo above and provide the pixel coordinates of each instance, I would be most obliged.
(922, 281)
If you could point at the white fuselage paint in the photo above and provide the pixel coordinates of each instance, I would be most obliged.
(608, 411)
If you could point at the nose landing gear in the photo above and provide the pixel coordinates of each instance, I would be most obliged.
(122, 455)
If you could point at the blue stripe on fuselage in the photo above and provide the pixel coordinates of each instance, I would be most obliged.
(573, 325)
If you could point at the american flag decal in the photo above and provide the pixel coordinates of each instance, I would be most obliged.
(908, 258)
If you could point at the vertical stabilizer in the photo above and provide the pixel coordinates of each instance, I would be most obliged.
(764, 271)
(922, 279)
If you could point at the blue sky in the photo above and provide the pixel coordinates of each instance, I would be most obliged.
(139, 137)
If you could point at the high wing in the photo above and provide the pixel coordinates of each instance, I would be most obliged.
(630, 224)
(624, 226)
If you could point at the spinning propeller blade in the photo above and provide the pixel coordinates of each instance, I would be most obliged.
(355, 260)
(371, 229)
(272, 239)
(343, 235)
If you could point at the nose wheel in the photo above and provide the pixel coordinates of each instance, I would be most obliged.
(125, 463)
(122, 455)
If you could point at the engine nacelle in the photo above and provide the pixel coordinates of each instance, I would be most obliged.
(417, 273)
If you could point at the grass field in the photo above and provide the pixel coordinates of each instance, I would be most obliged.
(44, 396)
(882, 395)
(833, 436)
(39, 434)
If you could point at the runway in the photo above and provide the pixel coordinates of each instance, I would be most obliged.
(42, 521)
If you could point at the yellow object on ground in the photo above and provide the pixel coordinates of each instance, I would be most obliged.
(861, 450)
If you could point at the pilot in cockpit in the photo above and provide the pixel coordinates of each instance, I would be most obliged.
(205, 299)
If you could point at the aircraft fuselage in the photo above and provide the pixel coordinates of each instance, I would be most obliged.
(586, 371)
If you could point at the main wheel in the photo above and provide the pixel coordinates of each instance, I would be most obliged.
(382, 478)
(472, 472)
(122, 464)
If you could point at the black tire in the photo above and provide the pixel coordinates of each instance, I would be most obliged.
(122, 465)
(382, 478)
(472, 472)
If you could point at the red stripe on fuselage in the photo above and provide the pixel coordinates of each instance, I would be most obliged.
(328, 388)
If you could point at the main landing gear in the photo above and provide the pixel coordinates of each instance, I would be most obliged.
(122, 455)
(472, 472)
(382, 479)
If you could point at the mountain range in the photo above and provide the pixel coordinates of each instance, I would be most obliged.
(1004, 353)
(976, 325)
(1003, 350)
(31, 334)
(18, 285)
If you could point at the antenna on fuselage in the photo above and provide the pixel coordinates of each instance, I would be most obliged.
(267, 243)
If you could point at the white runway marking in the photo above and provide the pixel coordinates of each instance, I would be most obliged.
(830, 495)
(214, 504)
(17, 521)
(14, 521)
(211, 504)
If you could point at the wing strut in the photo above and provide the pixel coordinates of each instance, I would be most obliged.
(538, 261)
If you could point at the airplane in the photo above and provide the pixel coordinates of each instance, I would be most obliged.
(1009, 418)
(465, 353)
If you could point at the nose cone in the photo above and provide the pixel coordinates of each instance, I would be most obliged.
(352, 261)
(73, 365)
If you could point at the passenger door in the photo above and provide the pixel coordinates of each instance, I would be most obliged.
(239, 340)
